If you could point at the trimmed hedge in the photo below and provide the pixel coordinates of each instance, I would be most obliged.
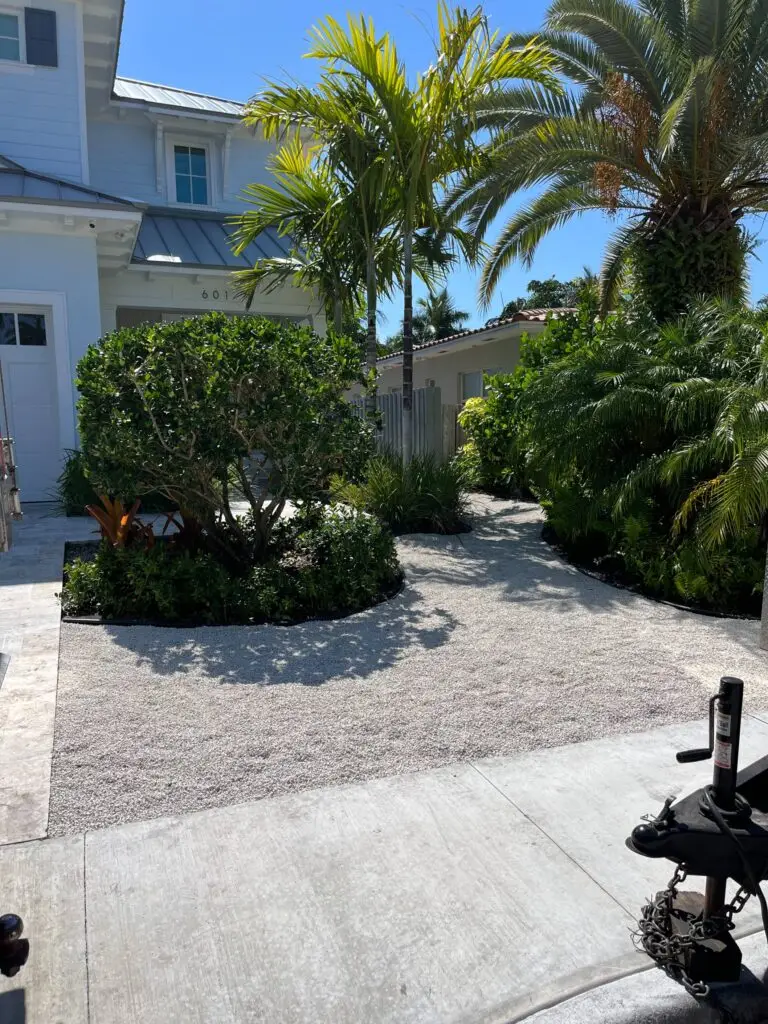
(323, 563)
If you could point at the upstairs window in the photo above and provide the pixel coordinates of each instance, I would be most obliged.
(191, 171)
(29, 37)
(10, 37)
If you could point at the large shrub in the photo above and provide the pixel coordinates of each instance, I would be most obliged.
(320, 562)
(216, 409)
(74, 490)
(647, 447)
(495, 454)
(425, 496)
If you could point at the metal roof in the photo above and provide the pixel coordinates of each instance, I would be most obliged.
(522, 316)
(198, 240)
(21, 185)
(167, 96)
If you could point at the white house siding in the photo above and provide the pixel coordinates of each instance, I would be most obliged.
(445, 368)
(182, 292)
(42, 110)
(60, 275)
(123, 156)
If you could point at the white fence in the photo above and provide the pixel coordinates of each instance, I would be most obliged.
(428, 427)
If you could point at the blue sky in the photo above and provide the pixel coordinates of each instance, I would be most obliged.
(225, 48)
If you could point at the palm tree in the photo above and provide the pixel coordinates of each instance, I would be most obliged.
(303, 204)
(438, 316)
(330, 124)
(666, 126)
(426, 132)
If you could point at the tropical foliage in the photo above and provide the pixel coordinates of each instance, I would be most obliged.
(437, 317)
(391, 145)
(552, 294)
(215, 410)
(320, 563)
(665, 126)
(424, 496)
(647, 446)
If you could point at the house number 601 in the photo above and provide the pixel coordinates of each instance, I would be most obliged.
(215, 294)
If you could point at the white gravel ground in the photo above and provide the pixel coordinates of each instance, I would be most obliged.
(495, 646)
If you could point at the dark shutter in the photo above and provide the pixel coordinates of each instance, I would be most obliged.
(40, 29)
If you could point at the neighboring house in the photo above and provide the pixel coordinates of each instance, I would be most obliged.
(458, 364)
(114, 196)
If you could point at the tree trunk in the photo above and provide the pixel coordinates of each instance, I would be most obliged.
(371, 348)
(338, 315)
(407, 423)
(696, 250)
(764, 617)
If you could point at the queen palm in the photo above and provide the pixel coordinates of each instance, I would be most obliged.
(666, 126)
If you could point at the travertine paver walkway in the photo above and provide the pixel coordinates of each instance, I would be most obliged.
(30, 579)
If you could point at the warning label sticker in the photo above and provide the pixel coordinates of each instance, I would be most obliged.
(722, 724)
(722, 754)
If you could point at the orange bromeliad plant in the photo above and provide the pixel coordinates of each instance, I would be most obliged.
(118, 525)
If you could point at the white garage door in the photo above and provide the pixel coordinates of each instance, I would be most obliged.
(27, 360)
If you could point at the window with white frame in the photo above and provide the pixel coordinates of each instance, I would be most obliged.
(191, 174)
(11, 41)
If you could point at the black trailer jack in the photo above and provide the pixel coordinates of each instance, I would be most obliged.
(719, 832)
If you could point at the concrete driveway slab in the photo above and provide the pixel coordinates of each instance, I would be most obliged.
(651, 998)
(44, 883)
(588, 797)
(425, 898)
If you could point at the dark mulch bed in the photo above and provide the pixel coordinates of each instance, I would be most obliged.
(610, 570)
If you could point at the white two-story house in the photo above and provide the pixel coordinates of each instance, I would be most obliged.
(114, 200)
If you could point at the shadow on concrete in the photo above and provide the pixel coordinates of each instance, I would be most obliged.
(309, 653)
(13, 1007)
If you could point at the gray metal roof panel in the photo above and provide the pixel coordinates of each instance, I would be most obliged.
(199, 240)
(17, 182)
(168, 96)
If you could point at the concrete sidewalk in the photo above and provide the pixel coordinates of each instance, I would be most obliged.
(476, 893)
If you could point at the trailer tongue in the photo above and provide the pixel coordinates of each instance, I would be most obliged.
(719, 832)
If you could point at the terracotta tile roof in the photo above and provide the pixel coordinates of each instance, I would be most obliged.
(522, 316)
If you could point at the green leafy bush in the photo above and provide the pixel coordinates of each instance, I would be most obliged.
(495, 455)
(426, 496)
(74, 490)
(215, 409)
(322, 562)
(646, 446)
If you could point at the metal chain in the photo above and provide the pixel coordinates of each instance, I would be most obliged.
(654, 935)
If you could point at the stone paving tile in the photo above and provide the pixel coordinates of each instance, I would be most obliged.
(30, 579)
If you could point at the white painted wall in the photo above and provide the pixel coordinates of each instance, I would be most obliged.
(67, 268)
(123, 156)
(42, 110)
(175, 291)
(445, 368)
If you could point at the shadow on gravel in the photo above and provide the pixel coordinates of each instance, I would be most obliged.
(309, 653)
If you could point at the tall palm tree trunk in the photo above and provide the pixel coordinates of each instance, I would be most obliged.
(407, 422)
(371, 348)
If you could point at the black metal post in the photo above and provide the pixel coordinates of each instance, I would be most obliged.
(726, 750)
(727, 736)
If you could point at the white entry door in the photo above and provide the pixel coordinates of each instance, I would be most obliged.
(29, 377)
